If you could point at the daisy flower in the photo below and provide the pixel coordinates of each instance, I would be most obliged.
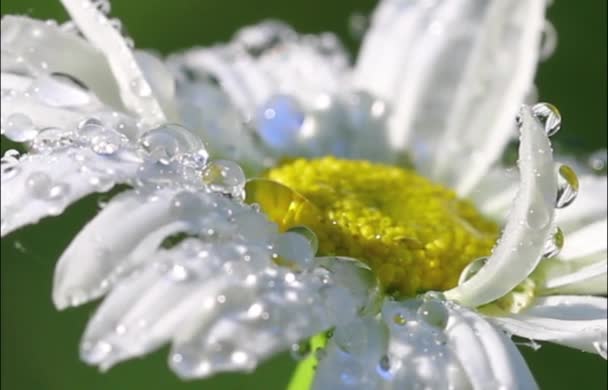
(272, 197)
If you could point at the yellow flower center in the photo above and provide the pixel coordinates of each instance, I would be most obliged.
(414, 234)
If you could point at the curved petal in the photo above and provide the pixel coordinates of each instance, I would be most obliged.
(487, 355)
(495, 192)
(455, 73)
(135, 89)
(574, 321)
(39, 185)
(529, 225)
(41, 48)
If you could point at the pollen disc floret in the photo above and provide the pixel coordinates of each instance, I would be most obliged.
(416, 235)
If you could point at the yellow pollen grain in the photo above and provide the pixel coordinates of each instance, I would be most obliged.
(415, 235)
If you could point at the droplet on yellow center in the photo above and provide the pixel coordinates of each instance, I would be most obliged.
(415, 235)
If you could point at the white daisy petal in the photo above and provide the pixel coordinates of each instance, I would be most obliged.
(39, 185)
(585, 241)
(583, 275)
(575, 321)
(135, 90)
(103, 251)
(420, 75)
(529, 225)
(355, 357)
(40, 48)
(487, 355)
(282, 309)
(590, 205)
(495, 192)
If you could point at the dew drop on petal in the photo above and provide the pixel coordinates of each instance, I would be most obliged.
(567, 187)
(225, 177)
(549, 116)
(168, 141)
(308, 234)
(296, 248)
(58, 191)
(9, 164)
(300, 351)
(19, 128)
(178, 273)
(433, 313)
(399, 319)
(597, 161)
(555, 244)
(471, 269)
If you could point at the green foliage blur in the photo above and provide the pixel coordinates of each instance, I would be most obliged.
(40, 345)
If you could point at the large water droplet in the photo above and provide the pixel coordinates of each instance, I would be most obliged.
(555, 244)
(433, 313)
(549, 116)
(384, 367)
(225, 177)
(9, 164)
(177, 273)
(52, 138)
(19, 128)
(168, 141)
(39, 184)
(308, 234)
(597, 161)
(471, 269)
(279, 122)
(295, 248)
(567, 187)
(58, 191)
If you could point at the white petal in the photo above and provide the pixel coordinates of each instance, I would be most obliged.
(456, 73)
(135, 90)
(490, 359)
(589, 206)
(495, 192)
(352, 357)
(585, 241)
(280, 311)
(529, 225)
(575, 321)
(39, 185)
(104, 250)
(583, 275)
(41, 48)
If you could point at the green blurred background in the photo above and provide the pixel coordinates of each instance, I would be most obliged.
(40, 346)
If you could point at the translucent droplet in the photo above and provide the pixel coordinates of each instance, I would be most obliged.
(358, 24)
(19, 128)
(9, 164)
(300, 351)
(107, 142)
(279, 122)
(597, 161)
(555, 244)
(168, 141)
(549, 116)
(225, 177)
(308, 234)
(433, 313)
(58, 191)
(39, 184)
(471, 269)
(567, 187)
(102, 6)
(52, 138)
(295, 248)
(178, 273)
(384, 364)
(95, 352)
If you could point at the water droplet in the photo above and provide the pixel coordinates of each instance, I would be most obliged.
(308, 234)
(39, 184)
(433, 313)
(549, 116)
(96, 352)
(279, 122)
(597, 161)
(225, 177)
(399, 319)
(555, 244)
(240, 358)
(168, 141)
(384, 365)
(300, 351)
(102, 6)
(471, 269)
(9, 164)
(58, 191)
(52, 138)
(295, 248)
(567, 187)
(19, 128)
(602, 348)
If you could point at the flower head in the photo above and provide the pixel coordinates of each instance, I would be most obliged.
(279, 198)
